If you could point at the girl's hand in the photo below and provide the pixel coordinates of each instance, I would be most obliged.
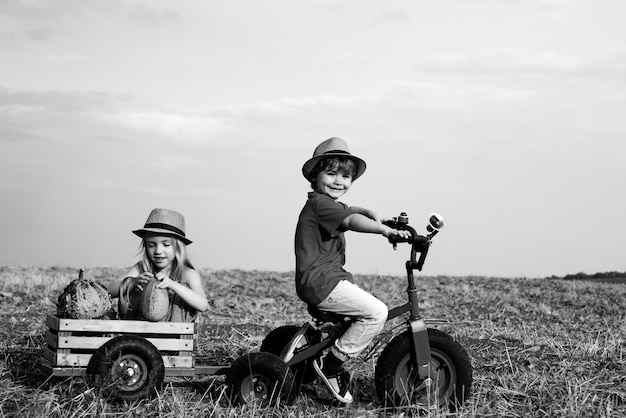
(164, 281)
(142, 280)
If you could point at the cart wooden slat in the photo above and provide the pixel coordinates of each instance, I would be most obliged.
(72, 342)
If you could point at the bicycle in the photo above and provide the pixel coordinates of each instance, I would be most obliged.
(422, 366)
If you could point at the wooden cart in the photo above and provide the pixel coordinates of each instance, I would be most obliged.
(128, 359)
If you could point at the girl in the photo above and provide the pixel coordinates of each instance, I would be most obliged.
(164, 257)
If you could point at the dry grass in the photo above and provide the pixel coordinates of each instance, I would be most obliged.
(548, 348)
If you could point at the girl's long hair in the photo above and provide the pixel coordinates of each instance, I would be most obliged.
(179, 265)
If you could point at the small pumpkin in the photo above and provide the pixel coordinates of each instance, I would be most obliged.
(155, 302)
(84, 299)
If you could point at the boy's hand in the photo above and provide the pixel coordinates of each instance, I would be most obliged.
(360, 222)
(390, 232)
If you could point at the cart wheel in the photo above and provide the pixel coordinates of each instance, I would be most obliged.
(398, 385)
(126, 368)
(276, 341)
(260, 378)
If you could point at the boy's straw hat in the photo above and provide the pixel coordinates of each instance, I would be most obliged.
(332, 147)
(164, 222)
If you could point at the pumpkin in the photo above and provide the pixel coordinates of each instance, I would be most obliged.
(84, 299)
(155, 302)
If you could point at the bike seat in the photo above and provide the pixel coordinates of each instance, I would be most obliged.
(322, 317)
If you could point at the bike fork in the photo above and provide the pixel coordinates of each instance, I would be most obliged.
(418, 329)
(421, 348)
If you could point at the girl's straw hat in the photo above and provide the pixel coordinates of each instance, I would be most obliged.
(164, 222)
(332, 147)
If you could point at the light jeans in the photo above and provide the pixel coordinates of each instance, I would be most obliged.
(368, 312)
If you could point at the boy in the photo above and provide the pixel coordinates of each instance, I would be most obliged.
(321, 280)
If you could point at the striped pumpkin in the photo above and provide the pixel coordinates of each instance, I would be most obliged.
(155, 302)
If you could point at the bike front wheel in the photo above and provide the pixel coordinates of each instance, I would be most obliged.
(398, 383)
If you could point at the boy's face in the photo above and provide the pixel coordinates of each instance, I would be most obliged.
(333, 183)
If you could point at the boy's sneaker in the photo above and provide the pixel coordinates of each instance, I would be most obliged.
(336, 383)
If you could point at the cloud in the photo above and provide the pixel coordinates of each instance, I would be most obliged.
(70, 9)
(291, 105)
(518, 62)
(393, 16)
(17, 135)
(66, 58)
(55, 11)
(35, 115)
(506, 61)
(98, 112)
(59, 101)
(143, 14)
(43, 20)
(105, 116)
(553, 5)
(182, 126)
(108, 117)
(38, 34)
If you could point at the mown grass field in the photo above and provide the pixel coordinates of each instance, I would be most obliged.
(540, 348)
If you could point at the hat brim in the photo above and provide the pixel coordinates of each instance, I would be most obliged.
(141, 233)
(312, 162)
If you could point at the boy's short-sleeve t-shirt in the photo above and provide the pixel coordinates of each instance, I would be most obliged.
(320, 248)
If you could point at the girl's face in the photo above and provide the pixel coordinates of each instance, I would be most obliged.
(160, 250)
(333, 183)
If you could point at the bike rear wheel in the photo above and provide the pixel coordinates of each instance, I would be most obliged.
(398, 384)
(261, 379)
(275, 343)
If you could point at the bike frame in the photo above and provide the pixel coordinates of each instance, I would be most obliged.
(416, 324)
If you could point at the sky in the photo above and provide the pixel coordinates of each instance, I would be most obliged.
(503, 116)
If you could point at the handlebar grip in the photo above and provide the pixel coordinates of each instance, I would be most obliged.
(396, 239)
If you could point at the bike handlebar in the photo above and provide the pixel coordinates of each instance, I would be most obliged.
(419, 242)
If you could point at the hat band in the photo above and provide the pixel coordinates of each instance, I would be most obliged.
(332, 151)
(165, 226)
